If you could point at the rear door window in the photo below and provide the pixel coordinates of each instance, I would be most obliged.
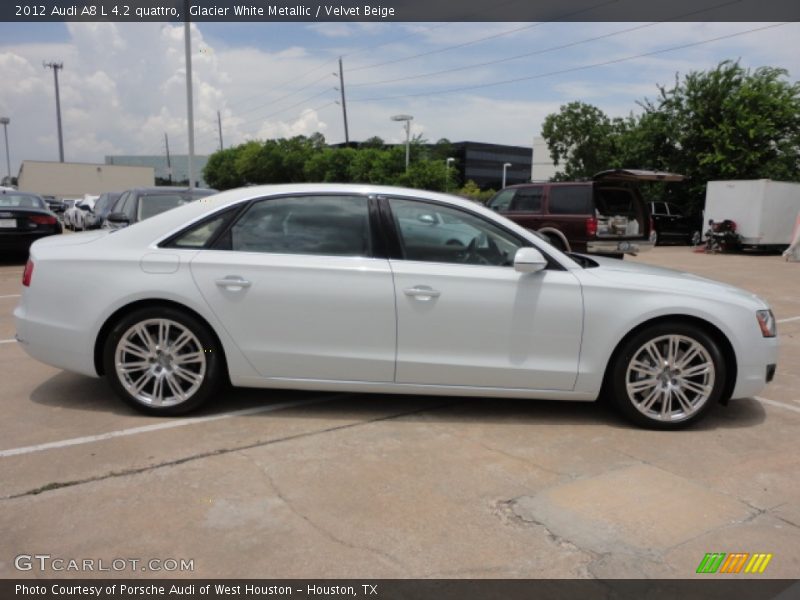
(571, 200)
(528, 200)
(324, 225)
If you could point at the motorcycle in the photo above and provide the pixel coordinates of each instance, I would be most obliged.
(722, 237)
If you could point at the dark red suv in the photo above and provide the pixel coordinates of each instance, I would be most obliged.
(606, 215)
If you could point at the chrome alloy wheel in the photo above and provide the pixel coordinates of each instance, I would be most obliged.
(670, 378)
(160, 362)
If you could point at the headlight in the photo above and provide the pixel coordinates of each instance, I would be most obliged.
(766, 321)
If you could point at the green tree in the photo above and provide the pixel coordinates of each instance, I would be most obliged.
(582, 137)
(220, 171)
(727, 123)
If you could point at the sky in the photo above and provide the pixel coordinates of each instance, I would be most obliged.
(123, 84)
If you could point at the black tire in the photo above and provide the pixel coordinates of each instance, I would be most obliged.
(208, 378)
(657, 239)
(617, 384)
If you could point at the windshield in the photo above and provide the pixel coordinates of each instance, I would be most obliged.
(150, 206)
(20, 201)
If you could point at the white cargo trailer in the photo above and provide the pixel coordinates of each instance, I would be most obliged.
(764, 211)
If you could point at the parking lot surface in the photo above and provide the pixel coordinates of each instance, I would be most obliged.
(279, 484)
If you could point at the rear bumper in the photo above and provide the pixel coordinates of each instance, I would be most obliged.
(54, 345)
(618, 246)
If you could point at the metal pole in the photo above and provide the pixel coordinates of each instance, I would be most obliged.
(344, 104)
(219, 126)
(187, 35)
(56, 67)
(505, 166)
(5, 121)
(408, 142)
(169, 161)
(533, 155)
(447, 173)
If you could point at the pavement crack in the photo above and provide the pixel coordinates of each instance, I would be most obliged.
(324, 531)
(56, 485)
(505, 510)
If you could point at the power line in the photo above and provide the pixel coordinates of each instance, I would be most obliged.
(481, 39)
(541, 51)
(572, 69)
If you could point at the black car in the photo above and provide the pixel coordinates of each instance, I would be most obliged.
(139, 204)
(24, 218)
(102, 207)
(55, 205)
(672, 224)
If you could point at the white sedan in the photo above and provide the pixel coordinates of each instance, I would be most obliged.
(323, 287)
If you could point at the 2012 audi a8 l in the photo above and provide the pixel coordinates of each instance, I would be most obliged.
(389, 290)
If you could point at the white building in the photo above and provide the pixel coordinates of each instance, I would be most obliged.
(73, 180)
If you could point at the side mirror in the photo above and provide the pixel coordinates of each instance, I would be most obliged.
(118, 217)
(529, 260)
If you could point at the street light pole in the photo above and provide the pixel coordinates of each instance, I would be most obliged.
(447, 173)
(56, 67)
(5, 121)
(407, 119)
(187, 38)
(505, 166)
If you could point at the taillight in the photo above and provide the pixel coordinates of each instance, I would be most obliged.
(42, 219)
(27, 274)
(591, 226)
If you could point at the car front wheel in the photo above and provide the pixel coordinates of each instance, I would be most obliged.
(162, 361)
(668, 376)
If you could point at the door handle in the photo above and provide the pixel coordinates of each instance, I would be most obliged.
(233, 283)
(422, 293)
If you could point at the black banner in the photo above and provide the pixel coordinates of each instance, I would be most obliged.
(713, 588)
(398, 10)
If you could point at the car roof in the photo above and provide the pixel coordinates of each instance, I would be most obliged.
(168, 188)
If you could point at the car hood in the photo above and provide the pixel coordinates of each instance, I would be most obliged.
(643, 276)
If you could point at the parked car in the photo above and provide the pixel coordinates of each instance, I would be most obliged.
(325, 286)
(102, 207)
(605, 216)
(84, 214)
(142, 203)
(24, 218)
(73, 215)
(673, 225)
(55, 205)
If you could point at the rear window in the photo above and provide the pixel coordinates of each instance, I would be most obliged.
(571, 200)
(20, 201)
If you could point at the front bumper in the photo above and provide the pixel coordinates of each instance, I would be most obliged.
(618, 246)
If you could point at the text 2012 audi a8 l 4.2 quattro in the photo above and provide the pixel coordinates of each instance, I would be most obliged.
(373, 289)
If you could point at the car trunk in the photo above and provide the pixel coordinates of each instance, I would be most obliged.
(620, 208)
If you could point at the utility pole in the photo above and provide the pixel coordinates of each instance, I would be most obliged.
(344, 104)
(187, 35)
(169, 162)
(219, 126)
(56, 67)
(4, 121)
(533, 155)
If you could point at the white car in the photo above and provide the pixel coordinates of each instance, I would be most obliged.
(321, 287)
(74, 215)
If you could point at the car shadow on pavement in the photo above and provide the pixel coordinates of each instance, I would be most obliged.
(17, 259)
(76, 392)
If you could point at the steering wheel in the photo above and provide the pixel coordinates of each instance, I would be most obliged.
(471, 254)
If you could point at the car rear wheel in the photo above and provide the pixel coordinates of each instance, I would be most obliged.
(668, 376)
(162, 361)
